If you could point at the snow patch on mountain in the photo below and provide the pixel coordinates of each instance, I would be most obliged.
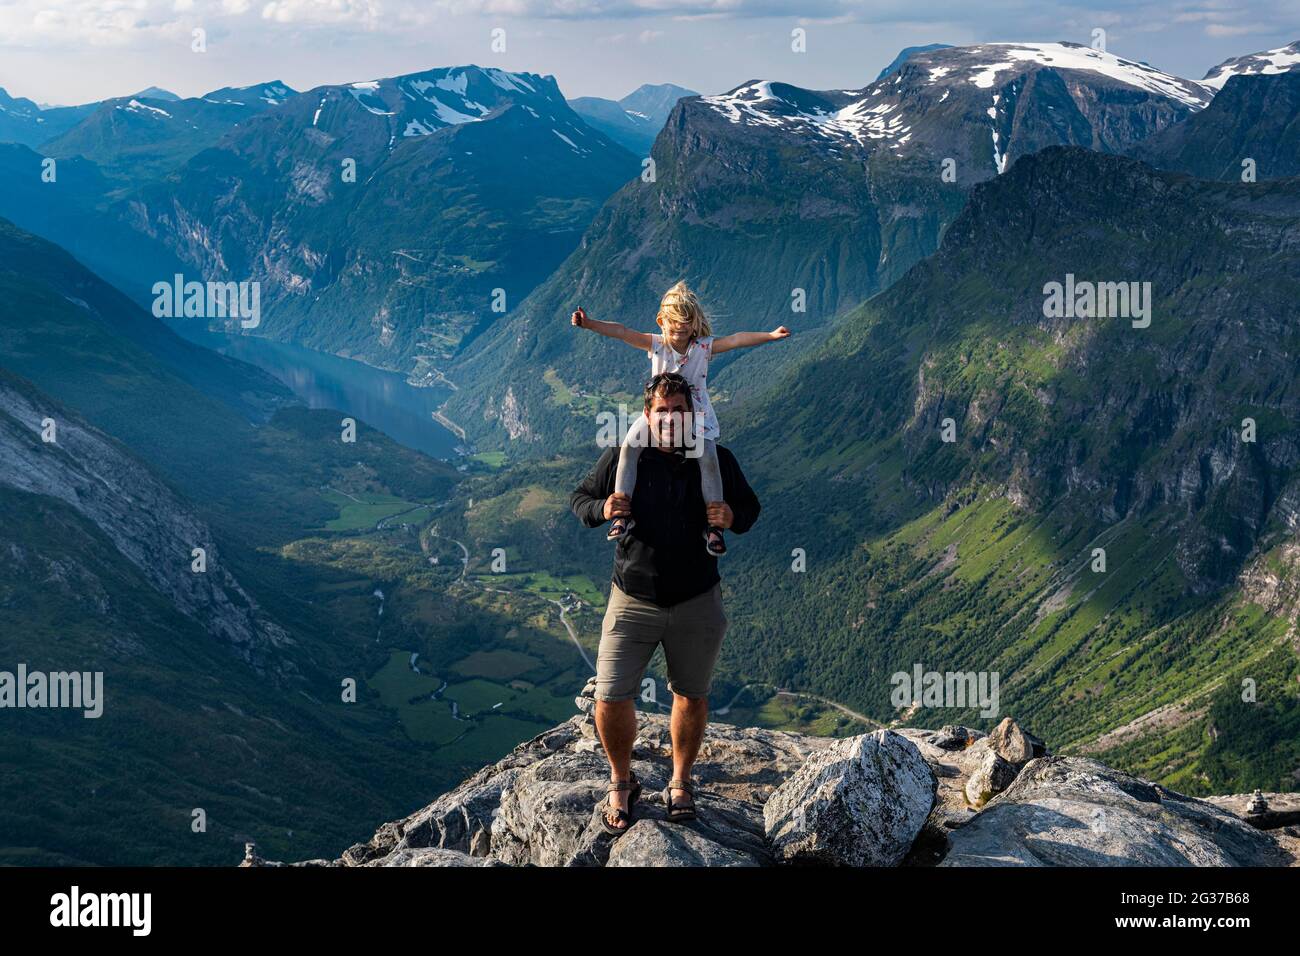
(739, 104)
(1072, 56)
(436, 99)
(878, 113)
(1282, 60)
(859, 120)
(136, 106)
(272, 94)
(509, 81)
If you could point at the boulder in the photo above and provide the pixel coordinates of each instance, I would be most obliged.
(1011, 743)
(660, 843)
(586, 699)
(860, 802)
(1072, 811)
(951, 737)
(461, 819)
(990, 778)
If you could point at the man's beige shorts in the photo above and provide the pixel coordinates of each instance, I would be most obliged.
(691, 633)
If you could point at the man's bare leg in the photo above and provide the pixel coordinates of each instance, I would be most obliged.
(690, 717)
(616, 724)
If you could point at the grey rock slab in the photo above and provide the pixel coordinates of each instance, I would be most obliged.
(860, 802)
(1072, 811)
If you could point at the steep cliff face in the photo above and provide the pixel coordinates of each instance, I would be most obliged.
(787, 206)
(144, 519)
(1121, 417)
(1250, 130)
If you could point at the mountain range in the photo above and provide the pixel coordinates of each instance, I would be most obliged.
(139, 138)
(389, 220)
(23, 121)
(1102, 508)
(773, 198)
(634, 121)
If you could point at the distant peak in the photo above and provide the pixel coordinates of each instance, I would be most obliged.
(154, 93)
(1281, 60)
(907, 52)
(984, 65)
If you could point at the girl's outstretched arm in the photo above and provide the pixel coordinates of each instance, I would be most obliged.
(614, 330)
(744, 340)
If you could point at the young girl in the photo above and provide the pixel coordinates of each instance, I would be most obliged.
(685, 346)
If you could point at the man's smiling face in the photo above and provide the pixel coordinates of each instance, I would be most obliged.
(669, 417)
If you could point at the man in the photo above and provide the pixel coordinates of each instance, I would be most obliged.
(665, 589)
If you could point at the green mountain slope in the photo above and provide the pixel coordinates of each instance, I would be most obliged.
(1070, 435)
(1253, 118)
(74, 212)
(134, 139)
(22, 121)
(223, 690)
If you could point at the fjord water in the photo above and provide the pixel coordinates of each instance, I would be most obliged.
(375, 397)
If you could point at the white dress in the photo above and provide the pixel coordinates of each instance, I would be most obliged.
(694, 367)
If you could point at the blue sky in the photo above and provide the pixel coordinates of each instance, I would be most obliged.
(68, 51)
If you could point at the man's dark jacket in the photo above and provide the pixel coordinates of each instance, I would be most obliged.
(662, 559)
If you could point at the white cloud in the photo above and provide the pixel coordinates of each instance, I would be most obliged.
(323, 12)
(69, 23)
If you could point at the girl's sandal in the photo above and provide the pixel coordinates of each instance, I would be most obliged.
(714, 543)
(677, 812)
(621, 816)
(621, 526)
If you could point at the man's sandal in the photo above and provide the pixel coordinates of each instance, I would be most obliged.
(678, 812)
(620, 816)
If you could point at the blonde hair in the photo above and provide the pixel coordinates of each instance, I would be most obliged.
(680, 306)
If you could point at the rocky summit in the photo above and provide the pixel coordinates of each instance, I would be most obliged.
(894, 797)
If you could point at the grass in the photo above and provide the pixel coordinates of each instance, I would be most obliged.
(547, 586)
(364, 511)
(494, 460)
(500, 664)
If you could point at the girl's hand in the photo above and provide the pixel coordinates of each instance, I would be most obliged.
(579, 318)
(779, 332)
